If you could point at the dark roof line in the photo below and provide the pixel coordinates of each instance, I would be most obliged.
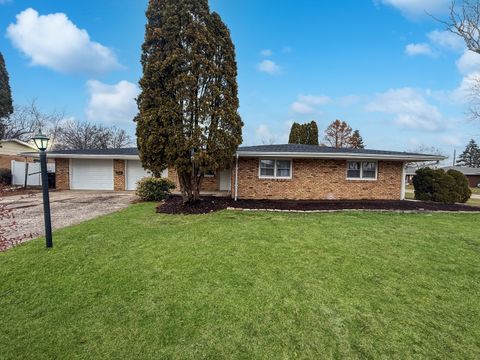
(286, 148)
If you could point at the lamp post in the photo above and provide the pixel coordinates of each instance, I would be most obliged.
(41, 142)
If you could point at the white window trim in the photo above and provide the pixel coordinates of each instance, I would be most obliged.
(260, 176)
(361, 178)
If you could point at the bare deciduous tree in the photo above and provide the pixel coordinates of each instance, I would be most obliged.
(424, 149)
(28, 119)
(338, 134)
(85, 135)
(464, 21)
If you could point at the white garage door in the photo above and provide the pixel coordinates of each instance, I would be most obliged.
(92, 174)
(135, 172)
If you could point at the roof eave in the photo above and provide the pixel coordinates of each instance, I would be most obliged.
(91, 156)
(346, 156)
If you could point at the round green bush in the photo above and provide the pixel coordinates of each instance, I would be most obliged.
(463, 187)
(154, 189)
(439, 186)
(5, 177)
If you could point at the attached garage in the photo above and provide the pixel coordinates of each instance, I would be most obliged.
(134, 173)
(91, 174)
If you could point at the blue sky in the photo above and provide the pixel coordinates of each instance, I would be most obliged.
(381, 65)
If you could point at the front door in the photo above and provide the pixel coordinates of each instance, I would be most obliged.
(225, 180)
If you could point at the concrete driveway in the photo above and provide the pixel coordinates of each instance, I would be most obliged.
(22, 217)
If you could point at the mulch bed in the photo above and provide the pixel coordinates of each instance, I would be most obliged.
(174, 205)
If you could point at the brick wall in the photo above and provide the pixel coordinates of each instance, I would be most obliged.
(119, 175)
(208, 184)
(62, 174)
(319, 179)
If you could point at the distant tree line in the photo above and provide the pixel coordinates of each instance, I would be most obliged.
(338, 134)
(64, 134)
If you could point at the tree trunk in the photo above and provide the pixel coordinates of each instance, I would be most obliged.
(190, 186)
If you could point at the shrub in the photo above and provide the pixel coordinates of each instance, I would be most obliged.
(463, 187)
(5, 177)
(439, 186)
(154, 189)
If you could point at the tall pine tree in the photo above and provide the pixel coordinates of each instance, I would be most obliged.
(188, 107)
(471, 156)
(6, 104)
(356, 140)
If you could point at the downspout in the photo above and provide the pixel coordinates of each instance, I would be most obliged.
(404, 178)
(236, 179)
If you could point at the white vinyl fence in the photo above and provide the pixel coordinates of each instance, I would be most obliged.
(34, 176)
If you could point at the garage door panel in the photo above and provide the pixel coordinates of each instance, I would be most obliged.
(92, 174)
(135, 172)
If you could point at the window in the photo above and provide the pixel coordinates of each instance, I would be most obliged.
(276, 169)
(366, 170)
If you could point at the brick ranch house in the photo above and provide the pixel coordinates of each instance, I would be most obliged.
(296, 172)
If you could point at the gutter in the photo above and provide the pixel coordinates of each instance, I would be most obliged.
(411, 158)
(85, 156)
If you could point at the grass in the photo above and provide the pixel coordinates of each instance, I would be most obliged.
(246, 286)
(475, 191)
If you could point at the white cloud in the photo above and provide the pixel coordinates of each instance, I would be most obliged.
(469, 62)
(113, 104)
(446, 40)
(266, 53)
(55, 42)
(264, 135)
(269, 67)
(306, 104)
(314, 100)
(452, 140)
(419, 49)
(410, 108)
(301, 108)
(416, 8)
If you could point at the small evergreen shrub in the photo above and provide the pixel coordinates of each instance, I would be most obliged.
(463, 187)
(5, 177)
(154, 189)
(439, 186)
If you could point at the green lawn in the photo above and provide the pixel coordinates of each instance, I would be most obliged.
(475, 191)
(135, 285)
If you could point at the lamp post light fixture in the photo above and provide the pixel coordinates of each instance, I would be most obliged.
(41, 142)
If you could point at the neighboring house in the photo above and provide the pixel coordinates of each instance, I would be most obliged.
(10, 150)
(472, 174)
(297, 172)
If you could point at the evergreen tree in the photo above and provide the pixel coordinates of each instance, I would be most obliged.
(295, 134)
(313, 133)
(6, 104)
(188, 107)
(304, 134)
(471, 156)
(356, 140)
